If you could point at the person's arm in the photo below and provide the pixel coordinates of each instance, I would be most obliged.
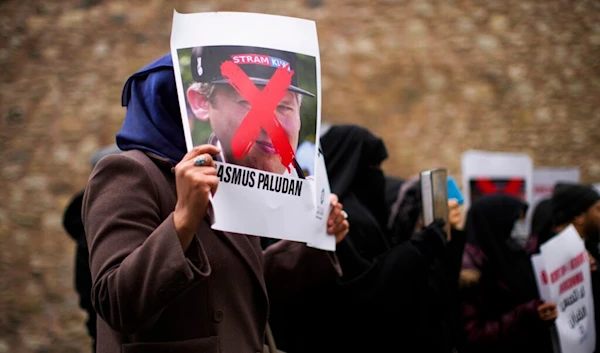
(137, 259)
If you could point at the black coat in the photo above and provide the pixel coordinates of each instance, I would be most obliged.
(83, 278)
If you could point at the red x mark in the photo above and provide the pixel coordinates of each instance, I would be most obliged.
(512, 188)
(262, 114)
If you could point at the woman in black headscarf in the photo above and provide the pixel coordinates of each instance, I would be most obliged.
(501, 309)
(442, 316)
(353, 157)
(412, 282)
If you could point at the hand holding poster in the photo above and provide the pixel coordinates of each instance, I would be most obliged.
(569, 286)
(253, 90)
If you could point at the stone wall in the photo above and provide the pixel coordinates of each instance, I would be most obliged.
(432, 77)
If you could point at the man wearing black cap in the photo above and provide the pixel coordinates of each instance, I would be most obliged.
(212, 99)
(579, 205)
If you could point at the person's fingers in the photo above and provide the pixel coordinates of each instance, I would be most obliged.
(213, 182)
(341, 217)
(454, 217)
(208, 170)
(340, 236)
(202, 149)
(334, 214)
(339, 224)
(552, 314)
(333, 199)
(547, 306)
(593, 262)
(192, 172)
(547, 311)
(201, 160)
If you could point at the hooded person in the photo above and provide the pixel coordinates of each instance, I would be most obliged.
(353, 157)
(501, 309)
(163, 279)
(406, 221)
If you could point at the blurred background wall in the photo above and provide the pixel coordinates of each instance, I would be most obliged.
(432, 77)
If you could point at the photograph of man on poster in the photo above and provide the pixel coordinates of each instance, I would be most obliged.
(218, 104)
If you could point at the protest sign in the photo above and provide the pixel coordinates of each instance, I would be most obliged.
(544, 179)
(489, 173)
(252, 88)
(569, 285)
(486, 173)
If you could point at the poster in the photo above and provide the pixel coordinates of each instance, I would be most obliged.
(486, 173)
(253, 89)
(544, 179)
(570, 287)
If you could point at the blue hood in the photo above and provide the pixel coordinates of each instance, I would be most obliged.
(153, 119)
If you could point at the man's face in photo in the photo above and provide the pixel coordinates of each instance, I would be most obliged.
(225, 112)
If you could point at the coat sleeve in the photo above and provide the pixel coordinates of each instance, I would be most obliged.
(137, 263)
(292, 267)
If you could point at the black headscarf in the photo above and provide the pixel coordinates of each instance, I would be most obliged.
(352, 157)
(541, 222)
(489, 223)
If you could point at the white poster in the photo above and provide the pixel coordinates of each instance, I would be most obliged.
(250, 84)
(544, 179)
(570, 287)
(489, 173)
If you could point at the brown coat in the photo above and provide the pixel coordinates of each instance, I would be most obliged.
(153, 297)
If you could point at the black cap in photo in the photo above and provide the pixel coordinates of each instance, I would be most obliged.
(258, 63)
